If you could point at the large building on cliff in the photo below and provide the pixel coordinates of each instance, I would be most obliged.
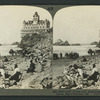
(35, 26)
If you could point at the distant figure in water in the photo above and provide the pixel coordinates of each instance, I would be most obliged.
(32, 67)
(5, 59)
(61, 55)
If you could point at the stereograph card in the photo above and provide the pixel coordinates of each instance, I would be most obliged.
(49, 50)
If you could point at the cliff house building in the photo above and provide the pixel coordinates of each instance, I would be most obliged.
(35, 26)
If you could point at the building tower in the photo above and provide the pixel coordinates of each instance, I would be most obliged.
(35, 26)
(36, 18)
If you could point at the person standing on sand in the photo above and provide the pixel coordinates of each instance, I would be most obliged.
(61, 55)
(84, 59)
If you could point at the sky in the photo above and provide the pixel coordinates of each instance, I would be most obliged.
(11, 21)
(77, 24)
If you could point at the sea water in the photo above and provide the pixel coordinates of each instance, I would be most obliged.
(81, 49)
(4, 49)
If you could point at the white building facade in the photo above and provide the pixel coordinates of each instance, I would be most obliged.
(35, 26)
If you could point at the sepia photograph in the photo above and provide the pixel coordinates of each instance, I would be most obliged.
(25, 47)
(76, 48)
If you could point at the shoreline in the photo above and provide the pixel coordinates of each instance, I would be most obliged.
(9, 56)
(28, 79)
(60, 64)
(4, 49)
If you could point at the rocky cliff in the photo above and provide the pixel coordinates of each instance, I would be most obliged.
(38, 44)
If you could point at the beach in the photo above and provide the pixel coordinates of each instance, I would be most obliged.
(28, 80)
(60, 64)
(32, 80)
(81, 49)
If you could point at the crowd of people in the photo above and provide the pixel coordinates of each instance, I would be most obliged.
(77, 77)
(71, 55)
(7, 79)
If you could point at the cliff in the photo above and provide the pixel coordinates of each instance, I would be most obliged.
(38, 43)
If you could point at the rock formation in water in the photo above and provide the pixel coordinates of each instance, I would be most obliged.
(59, 42)
(94, 43)
(15, 43)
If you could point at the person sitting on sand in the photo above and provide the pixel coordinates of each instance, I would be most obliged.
(32, 67)
(84, 59)
(16, 75)
(2, 73)
(2, 78)
(94, 75)
(65, 71)
(79, 71)
(5, 59)
(78, 77)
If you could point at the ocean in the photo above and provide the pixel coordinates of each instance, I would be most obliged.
(4, 49)
(81, 49)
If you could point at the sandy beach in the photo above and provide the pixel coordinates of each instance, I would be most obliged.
(28, 80)
(60, 64)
